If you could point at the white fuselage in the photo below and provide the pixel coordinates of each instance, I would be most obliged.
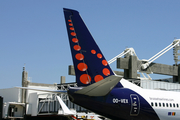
(165, 103)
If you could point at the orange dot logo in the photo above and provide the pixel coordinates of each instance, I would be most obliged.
(71, 28)
(82, 66)
(69, 21)
(99, 55)
(73, 33)
(75, 40)
(104, 62)
(85, 79)
(77, 47)
(93, 51)
(106, 72)
(70, 24)
(98, 78)
(79, 56)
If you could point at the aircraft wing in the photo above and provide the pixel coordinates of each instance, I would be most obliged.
(44, 90)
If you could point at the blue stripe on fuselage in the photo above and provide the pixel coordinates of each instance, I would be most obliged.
(116, 105)
(123, 96)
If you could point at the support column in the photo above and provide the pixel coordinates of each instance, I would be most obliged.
(133, 67)
(178, 77)
(63, 80)
(131, 72)
(24, 84)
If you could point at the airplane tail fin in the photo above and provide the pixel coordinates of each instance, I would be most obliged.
(89, 63)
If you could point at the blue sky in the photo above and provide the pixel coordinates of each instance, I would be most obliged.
(34, 33)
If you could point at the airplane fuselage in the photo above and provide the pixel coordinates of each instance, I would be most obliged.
(132, 103)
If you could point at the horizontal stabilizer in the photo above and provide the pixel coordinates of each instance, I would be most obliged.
(43, 90)
(100, 88)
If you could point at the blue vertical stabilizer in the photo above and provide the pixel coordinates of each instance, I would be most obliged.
(89, 63)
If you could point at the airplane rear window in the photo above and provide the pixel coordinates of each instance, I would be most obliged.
(163, 105)
(159, 104)
(156, 104)
(170, 105)
(174, 105)
(177, 105)
(166, 104)
(152, 104)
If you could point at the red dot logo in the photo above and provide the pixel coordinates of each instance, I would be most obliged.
(93, 51)
(82, 66)
(70, 24)
(77, 47)
(75, 40)
(104, 62)
(71, 28)
(79, 56)
(98, 78)
(85, 79)
(99, 55)
(73, 33)
(106, 72)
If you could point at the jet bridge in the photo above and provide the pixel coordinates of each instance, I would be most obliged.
(131, 64)
(50, 104)
(45, 105)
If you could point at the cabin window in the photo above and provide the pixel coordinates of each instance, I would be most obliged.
(174, 105)
(177, 105)
(166, 104)
(159, 104)
(152, 104)
(156, 104)
(170, 105)
(163, 105)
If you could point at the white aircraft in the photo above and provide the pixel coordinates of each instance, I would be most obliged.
(106, 94)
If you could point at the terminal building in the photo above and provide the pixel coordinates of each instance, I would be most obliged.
(27, 104)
